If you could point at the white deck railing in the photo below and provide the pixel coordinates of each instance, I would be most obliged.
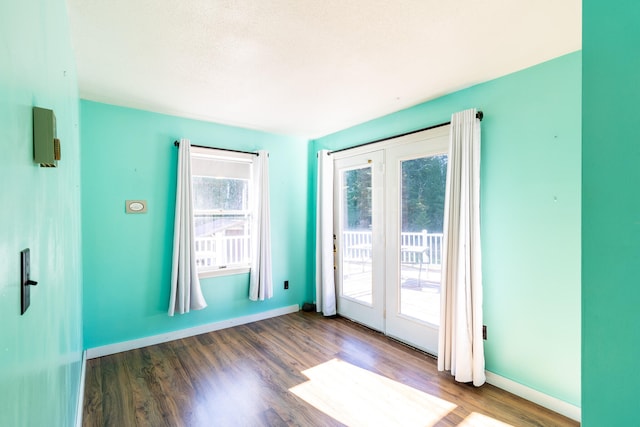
(357, 247)
(218, 251)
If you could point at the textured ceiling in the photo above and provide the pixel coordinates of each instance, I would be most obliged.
(306, 67)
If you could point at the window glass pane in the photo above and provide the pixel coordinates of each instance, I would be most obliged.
(423, 188)
(422, 206)
(220, 194)
(357, 204)
(221, 213)
(222, 240)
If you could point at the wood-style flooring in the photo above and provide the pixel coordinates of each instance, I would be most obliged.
(295, 370)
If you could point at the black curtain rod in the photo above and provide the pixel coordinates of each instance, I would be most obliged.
(177, 144)
(479, 115)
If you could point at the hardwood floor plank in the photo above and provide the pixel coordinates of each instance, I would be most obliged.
(145, 386)
(294, 370)
(93, 394)
(174, 381)
(117, 407)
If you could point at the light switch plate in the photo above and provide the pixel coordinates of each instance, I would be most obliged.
(135, 206)
(25, 270)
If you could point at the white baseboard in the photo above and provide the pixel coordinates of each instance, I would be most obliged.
(549, 402)
(106, 350)
(80, 407)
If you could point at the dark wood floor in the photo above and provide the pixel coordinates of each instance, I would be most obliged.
(295, 370)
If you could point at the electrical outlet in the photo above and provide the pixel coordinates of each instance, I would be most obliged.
(286, 284)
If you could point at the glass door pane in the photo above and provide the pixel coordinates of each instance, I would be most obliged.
(422, 213)
(357, 279)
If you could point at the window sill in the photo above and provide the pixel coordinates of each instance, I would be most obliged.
(223, 272)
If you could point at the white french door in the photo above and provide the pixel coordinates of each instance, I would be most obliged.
(359, 218)
(415, 186)
(389, 209)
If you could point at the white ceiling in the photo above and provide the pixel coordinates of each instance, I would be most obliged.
(306, 67)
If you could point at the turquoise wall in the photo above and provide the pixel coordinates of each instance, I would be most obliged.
(129, 154)
(530, 215)
(610, 213)
(41, 351)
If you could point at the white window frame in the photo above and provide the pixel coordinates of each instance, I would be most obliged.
(230, 157)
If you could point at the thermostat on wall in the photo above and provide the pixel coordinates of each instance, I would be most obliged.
(136, 206)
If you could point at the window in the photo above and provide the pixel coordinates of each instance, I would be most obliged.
(222, 184)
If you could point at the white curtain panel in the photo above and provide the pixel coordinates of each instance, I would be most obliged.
(461, 349)
(325, 277)
(186, 294)
(261, 281)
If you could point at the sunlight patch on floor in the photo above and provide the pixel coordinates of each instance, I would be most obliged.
(357, 397)
(475, 419)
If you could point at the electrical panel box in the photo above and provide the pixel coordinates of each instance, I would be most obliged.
(46, 146)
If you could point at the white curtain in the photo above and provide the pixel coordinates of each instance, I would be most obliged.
(260, 281)
(461, 349)
(186, 294)
(325, 277)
